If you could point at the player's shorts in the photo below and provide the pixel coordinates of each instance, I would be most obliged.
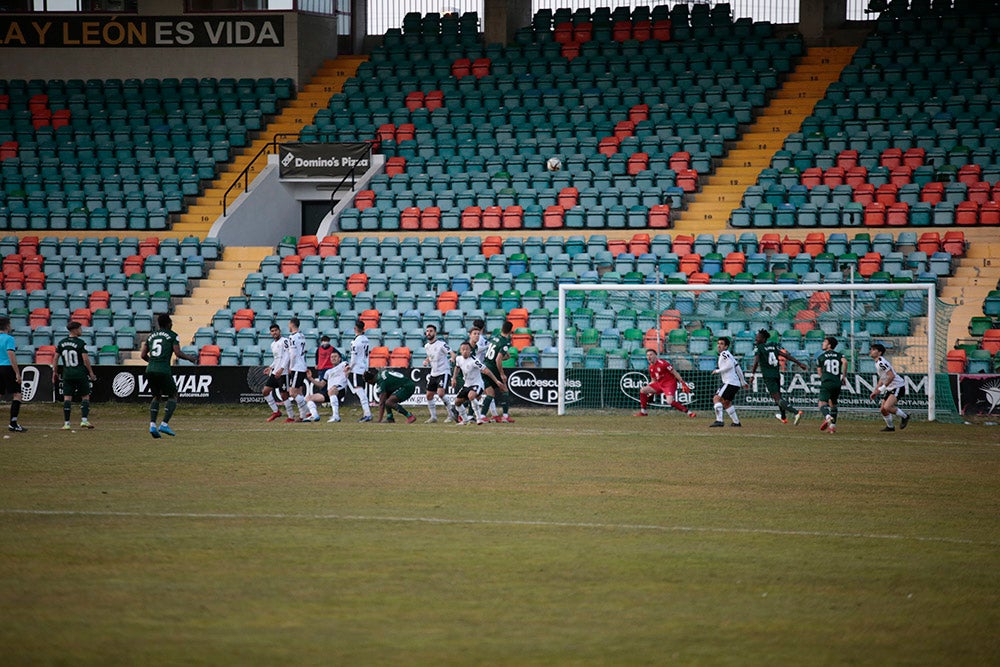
(356, 380)
(665, 387)
(829, 392)
(275, 382)
(898, 392)
(161, 384)
(436, 382)
(728, 391)
(464, 392)
(7, 383)
(404, 392)
(76, 386)
(772, 383)
(297, 380)
(489, 383)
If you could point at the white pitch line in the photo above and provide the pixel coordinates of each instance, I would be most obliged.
(502, 522)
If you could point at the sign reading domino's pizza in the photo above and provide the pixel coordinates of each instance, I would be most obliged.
(298, 161)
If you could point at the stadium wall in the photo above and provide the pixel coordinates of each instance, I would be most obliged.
(976, 395)
(85, 46)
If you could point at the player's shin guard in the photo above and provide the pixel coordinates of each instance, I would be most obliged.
(731, 411)
(362, 395)
(67, 407)
(168, 411)
(718, 412)
(271, 403)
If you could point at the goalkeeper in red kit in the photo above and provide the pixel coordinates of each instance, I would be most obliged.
(663, 380)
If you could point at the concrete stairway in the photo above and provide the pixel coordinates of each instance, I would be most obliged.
(225, 279)
(722, 191)
(977, 273)
(329, 79)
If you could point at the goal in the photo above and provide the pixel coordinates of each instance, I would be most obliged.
(604, 330)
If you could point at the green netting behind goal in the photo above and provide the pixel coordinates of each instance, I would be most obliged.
(605, 330)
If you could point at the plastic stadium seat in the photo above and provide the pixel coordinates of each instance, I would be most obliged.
(209, 355)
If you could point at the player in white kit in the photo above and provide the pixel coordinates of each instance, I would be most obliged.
(439, 358)
(360, 351)
(297, 368)
(732, 381)
(330, 387)
(472, 384)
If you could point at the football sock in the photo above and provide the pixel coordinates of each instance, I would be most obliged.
(718, 412)
(84, 409)
(643, 400)
(488, 404)
(786, 405)
(15, 410)
(505, 403)
(154, 411)
(168, 412)
(271, 403)
(462, 412)
(67, 406)
(902, 415)
(432, 407)
(833, 413)
(401, 410)
(476, 411)
(300, 400)
(335, 404)
(362, 395)
(313, 412)
(288, 406)
(825, 411)
(888, 420)
(677, 405)
(731, 411)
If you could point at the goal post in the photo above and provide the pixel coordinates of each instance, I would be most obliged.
(604, 328)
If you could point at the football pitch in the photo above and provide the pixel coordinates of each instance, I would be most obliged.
(589, 539)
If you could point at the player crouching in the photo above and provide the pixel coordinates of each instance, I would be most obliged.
(330, 387)
(663, 380)
(472, 371)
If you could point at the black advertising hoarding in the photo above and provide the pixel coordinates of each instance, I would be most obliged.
(133, 32)
(322, 161)
(533, 387)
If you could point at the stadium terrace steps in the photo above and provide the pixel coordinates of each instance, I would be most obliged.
(977, 273)
(224, 280)
(792, 103)
(298, 112)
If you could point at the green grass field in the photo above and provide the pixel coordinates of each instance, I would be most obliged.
(589, 539)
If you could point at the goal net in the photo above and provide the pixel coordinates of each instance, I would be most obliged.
(605, 329)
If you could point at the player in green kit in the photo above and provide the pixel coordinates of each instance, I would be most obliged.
(77, 374)
(393, 387)
(768, 355)
(832, 368)
(156, 351)
(496, 353)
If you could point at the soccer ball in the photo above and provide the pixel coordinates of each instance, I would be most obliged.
(553, 164)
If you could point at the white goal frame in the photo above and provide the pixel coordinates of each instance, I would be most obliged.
(930, 290)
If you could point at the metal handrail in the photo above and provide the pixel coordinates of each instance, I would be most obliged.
(333, 193)
(245, 174)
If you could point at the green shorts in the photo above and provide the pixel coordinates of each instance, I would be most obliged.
(76, 386)
(829, 392)
(772, 383)
(161, 384)
(404, 393)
